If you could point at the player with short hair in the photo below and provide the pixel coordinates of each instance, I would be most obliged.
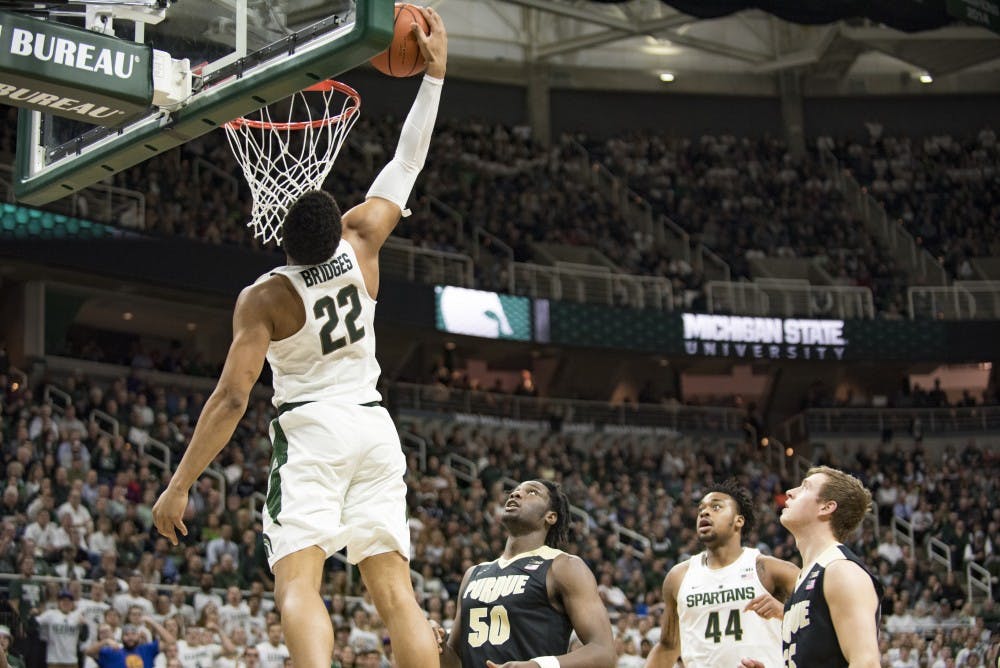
(832, 617)
(724, 604)
(337, 468)
(519, 610)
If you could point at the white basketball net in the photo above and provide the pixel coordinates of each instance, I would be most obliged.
(283, 157)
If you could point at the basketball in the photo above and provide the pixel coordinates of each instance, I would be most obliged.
(403, 57)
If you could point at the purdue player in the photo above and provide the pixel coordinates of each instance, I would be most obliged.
(519, 611)
(337, 469)
(722, 605)
(832, 617)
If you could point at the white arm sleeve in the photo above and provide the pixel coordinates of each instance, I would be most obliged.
(396, 179)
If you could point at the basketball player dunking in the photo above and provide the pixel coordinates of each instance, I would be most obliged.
(337, 468)
(519, 610)
(725, 604)
(832, 617)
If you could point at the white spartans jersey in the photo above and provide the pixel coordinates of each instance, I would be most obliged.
(333, 355)
(715, 632)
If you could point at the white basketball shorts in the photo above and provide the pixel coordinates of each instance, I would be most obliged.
(336, 480)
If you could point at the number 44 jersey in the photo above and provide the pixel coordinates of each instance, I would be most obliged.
(333, 355)
(715, 631)
(506, 612)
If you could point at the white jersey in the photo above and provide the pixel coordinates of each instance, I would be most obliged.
(197, 656)
(62, 633)
(333, 355)
(272, 656)
(715, 632)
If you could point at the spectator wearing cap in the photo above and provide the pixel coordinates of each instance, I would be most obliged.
(13, 660)
(272, 651)
(60, 629)
(110, 654)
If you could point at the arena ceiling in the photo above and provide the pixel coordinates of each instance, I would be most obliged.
(629, 43)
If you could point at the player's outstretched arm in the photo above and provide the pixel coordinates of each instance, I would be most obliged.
(577, 589)
(666, 652)
(852, 600)
(369, 224)
(252, 328)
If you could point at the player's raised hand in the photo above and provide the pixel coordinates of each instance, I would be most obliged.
(434, 47)
(751, 663)
(168, 513)
(766, 606)
(439, 634)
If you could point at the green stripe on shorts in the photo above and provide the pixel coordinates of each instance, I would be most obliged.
(278, 459)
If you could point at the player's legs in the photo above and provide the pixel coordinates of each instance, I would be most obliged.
(387, 577)
(304, 618)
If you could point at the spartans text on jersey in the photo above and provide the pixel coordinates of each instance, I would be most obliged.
(720, 597)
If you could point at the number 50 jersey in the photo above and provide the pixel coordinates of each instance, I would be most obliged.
(333, 355)
(714, 629)
(506, 613)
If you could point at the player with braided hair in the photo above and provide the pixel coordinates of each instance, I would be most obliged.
(725, 604)
(519, 610)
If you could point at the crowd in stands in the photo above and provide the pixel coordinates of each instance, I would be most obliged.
(76, 505)
(908, 395)
(746, 199)
(942, 188)
(749, 199)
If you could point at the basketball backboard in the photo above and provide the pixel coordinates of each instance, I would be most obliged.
(242, 55)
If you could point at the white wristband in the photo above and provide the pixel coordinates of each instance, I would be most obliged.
(546, 661)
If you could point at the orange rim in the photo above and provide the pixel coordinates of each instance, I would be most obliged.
(320, 87)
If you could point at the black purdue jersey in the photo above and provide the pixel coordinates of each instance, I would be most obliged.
(506, 613)
(807, 635)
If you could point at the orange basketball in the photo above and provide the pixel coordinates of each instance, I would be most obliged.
(403, 57)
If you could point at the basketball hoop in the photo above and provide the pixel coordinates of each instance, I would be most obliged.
(283, 157)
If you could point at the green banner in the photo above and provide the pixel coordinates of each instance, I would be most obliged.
(753, 338)
(984, 13)
(67, 71)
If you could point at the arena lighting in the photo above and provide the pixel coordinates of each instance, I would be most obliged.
(666, 77)
(925, 78)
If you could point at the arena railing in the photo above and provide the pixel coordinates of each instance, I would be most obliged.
(413, 443)
(461, 467)
(591, 285)
(400, 258)
(903, 531)
(711, 265)
(979, 579)
(900, 242)
(939, 552)
(964, 300)
(540, 411)
(956, 419)
(790, 298)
